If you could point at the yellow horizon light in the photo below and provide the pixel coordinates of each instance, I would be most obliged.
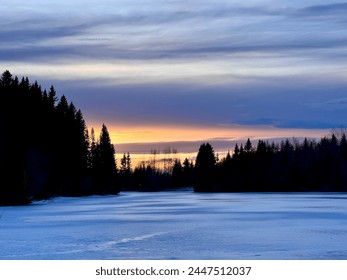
(127, 134)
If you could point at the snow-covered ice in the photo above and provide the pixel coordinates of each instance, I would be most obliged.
(178, 225)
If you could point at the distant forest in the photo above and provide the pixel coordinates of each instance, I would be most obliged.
(46, 150)
(290, 166)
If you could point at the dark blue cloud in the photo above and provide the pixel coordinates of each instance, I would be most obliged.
(335, 9)
(282, 104)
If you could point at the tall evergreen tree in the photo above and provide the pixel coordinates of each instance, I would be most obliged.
(107, 173)
(6, 79)
(248, 147)
(177, 174)
(188, 168)
(205, 169)
(93, 151)
(52, 98)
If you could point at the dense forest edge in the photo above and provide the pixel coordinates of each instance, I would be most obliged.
(46, 150)
(290, 166)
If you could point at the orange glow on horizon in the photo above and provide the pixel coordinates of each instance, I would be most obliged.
(121, 134)
(128, 136)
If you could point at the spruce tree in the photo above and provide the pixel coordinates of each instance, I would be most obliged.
(205, 169)
(107, 173)
(52, 99)
(248, 147)
(187, 172)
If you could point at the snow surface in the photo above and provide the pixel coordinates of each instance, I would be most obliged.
(178, 225)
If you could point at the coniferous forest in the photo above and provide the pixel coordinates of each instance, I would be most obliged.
(290, 166)
(46, 150)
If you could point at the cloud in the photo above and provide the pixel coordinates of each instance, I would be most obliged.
(233, 41)
(281, 103)
(336, 9)
(331, 105)
(193, 32)
(194, 62)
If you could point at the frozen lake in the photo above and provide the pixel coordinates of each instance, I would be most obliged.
(178, 225)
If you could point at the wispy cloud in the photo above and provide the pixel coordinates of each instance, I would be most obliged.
(201, 62)
(192, 32)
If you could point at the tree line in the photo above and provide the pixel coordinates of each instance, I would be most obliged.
(148, 177)
(290, 166)
(45, 146)
(167, 172)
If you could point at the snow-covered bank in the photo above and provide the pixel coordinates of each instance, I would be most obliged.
(178, 225)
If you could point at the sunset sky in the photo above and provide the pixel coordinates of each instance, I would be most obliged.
(193, 70)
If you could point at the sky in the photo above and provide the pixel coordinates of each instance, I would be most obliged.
(174, 70)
